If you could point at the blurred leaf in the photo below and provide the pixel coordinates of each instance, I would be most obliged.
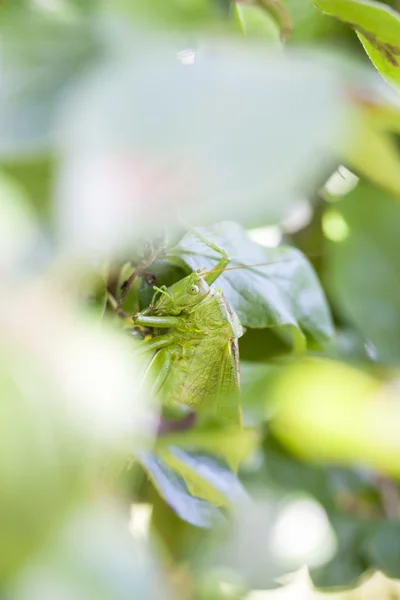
(362, 268)
(71, 409)
(93, 556)
(348, 564)
(350, 346)
(299, 585)
(19, 232)
(310, 25)
(172, 487)
(175, 13)
(333, 397)
(256, 22)
(285, 293)
(35, 462)
(375, 154)
(41, 59)
(382, 547)
(36, 177)
(233, 444)
(192, 151)
(207, 477)
(377, 26)
(293, 475)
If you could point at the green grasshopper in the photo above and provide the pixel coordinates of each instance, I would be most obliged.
(196, 363)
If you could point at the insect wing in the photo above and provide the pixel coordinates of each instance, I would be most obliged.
(228, 407)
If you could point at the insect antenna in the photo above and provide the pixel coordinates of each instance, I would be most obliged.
(160, 290)
(263, 264)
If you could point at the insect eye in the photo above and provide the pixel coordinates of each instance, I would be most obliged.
(194, 289)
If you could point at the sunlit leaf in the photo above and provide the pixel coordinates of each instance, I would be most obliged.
(374, 153)
(256, 22)
(317, 404)
(377, 26)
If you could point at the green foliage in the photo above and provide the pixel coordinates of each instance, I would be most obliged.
(256, 22)
(378, 28)
(284, 293)
(257, 123)
(370, 303)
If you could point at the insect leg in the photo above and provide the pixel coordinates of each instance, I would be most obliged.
(161, 341)
(222, 263)
(162, 322)
(161, 364)
(164, 356)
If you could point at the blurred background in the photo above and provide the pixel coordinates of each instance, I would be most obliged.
(273, 127)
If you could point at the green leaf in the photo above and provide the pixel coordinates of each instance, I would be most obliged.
(221, 136)
(92, 556)
(383, 547)
(172, 487)
(233, 444)
(41, 58)
(36, 176)
(188, 14)
(256, 22)
(332, 397)
(362, 267)
(374, 152)
(207, 477)
(348, 563)
(378, 28)
(285, 293)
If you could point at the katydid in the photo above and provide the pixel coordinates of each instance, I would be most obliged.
(197, 361)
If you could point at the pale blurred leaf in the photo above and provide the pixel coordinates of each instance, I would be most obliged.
(239, 132)
(93, 557)
(41, 59)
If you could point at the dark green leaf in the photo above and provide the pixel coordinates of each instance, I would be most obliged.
(284, 293)
(363, 267)
(382, 548)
